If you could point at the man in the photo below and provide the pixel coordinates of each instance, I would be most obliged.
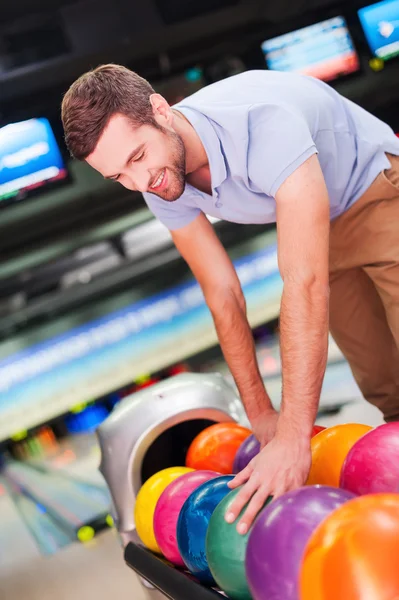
(261, 147)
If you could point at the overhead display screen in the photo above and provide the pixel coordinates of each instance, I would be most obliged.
(380, 24)
(324, 50)
(29, 159)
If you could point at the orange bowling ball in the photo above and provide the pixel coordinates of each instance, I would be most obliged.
(214, 449)
(353, 554)
(329, 450)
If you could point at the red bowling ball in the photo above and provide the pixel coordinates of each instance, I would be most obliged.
(316, 429)
(372, 465)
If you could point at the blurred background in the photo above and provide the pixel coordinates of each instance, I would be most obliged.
(95, 302)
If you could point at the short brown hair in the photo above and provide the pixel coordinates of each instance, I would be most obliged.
(95, 97)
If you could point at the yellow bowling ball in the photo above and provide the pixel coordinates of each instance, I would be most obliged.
(146, 502)
(329, 450)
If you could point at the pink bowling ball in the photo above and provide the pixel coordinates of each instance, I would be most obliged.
(372, 465)
(168, 509)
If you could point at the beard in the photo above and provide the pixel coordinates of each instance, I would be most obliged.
(176, 171)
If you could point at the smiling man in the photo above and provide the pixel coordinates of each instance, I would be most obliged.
(265, 147)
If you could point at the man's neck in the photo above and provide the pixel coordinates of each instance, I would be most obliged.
(196, 157)
(201, 179)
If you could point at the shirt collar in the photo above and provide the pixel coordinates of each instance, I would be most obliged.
(211, 143)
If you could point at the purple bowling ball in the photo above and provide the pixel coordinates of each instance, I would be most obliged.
(245, 453)
(279, 536)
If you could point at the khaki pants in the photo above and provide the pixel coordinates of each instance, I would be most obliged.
(364, 283)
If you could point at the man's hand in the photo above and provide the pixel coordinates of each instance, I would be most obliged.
(264, 426)
(282, 465)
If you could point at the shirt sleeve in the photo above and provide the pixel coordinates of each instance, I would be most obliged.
(173, 215)
(280, 140)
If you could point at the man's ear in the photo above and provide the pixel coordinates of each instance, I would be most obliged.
(163, 113)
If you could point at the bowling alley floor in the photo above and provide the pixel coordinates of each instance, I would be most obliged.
(93, 572)
(97, 571)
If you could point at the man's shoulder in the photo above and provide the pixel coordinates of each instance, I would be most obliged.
(248, 87)
(221, 89)
(236, 104)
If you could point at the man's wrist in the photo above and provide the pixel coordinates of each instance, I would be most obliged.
(294, 427)
(258, 407)
(261, 413)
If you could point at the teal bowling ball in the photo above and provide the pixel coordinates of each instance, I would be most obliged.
(226, 549)
(193, 524)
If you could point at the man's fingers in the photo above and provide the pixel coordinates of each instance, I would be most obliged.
(242, 498)
(281, 488)
(279, 491)
(254, 507)
(241, 478)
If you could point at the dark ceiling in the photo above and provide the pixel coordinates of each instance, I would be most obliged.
(45, 44)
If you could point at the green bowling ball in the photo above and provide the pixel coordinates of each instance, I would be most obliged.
(225, 551)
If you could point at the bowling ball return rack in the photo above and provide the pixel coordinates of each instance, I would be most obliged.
(149, 431)
(164, 577)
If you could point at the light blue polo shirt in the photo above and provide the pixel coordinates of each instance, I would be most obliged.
(257, 128)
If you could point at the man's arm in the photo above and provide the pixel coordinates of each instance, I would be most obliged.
(215, 273)
(303, 225)
(303, 241)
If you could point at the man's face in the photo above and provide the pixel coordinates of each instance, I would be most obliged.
(141, 158)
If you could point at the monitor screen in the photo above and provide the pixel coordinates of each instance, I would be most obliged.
(29, 159)
(324, 50)
(380, 24)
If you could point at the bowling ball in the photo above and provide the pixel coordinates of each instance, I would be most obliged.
(146, 502)
(372, 464)
(251, 447)
(225, 551)
(168, 509)
(193, 522)
(279, 537)
(245, 453)
(329, 450)
(353, 554)
(316, 429)
(215, 447)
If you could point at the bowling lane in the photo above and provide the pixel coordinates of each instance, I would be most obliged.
(96, 569)
(48, 534)
(77, 456)
(341, 393)
(358, 411)
(269, 359)
(16, 544)
(74, 503)
(339, 386)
